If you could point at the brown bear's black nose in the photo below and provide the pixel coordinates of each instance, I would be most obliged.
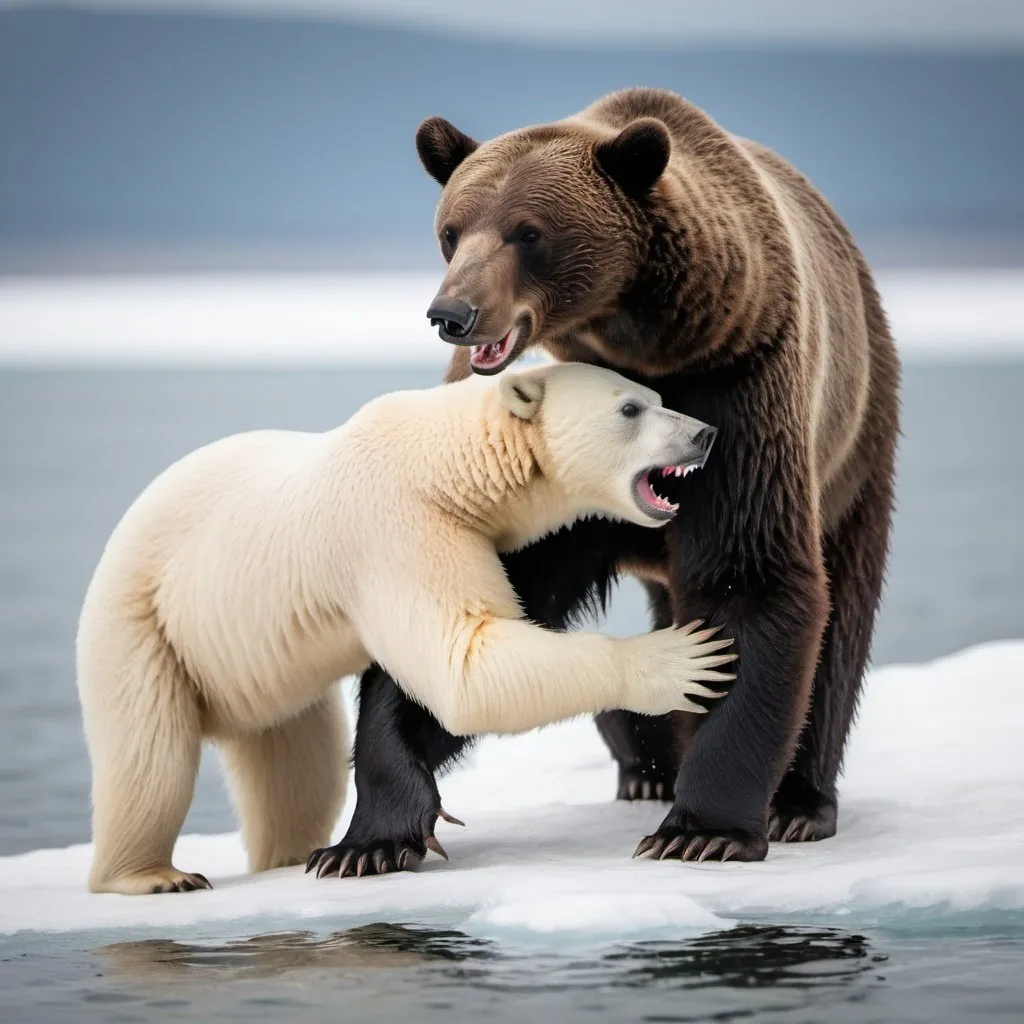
(453, 318)
(704, 440)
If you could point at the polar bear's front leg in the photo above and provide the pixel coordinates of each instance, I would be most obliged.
(509, 676)
(400, 743)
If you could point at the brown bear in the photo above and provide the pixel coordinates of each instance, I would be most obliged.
(640, 235)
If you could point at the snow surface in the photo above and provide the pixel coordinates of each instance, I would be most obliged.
(378, 319)
(932, 823)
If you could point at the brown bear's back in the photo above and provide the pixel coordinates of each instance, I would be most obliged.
(747, 191)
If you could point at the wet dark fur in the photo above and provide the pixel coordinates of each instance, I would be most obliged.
(704, 305)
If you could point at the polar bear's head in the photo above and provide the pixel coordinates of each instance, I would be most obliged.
(607, 441)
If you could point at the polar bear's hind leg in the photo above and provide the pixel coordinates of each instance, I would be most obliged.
(143, 724)
(289, 782)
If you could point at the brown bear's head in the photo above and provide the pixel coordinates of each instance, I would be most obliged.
(538, 227)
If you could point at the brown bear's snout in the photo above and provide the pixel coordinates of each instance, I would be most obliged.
(453, 318)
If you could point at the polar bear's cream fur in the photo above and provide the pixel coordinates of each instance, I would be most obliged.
(257, 571)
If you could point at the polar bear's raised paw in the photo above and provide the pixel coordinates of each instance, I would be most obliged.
(670, 667)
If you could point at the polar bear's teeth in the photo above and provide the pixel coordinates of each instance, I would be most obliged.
(677, 470)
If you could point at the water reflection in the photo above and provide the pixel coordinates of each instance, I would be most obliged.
(754, 956)
(749, 956)
(373, 946)
(393, 971)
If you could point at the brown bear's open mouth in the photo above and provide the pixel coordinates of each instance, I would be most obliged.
(647, 498)
(488, 359)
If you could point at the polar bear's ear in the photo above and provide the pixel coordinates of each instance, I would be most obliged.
(521, 394)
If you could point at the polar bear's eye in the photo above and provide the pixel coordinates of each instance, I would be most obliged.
(630, 410)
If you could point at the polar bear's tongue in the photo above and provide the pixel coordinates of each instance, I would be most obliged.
(647, 494)
(487, 357)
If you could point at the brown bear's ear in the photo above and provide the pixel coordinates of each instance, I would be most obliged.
(521, 394)
(636, 157)
(442, 147)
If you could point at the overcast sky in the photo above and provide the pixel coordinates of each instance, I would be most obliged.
(669, 22)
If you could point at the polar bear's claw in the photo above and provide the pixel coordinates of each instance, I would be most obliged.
(180, 881)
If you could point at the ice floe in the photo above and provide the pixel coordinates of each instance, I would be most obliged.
(932, 820)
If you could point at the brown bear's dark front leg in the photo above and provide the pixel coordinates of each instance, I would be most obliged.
(399, 745)
(805, 807)
(739, 754)
(398, 748)
(647, 749)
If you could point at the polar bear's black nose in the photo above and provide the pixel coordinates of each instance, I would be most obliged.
(703, 441)
(454, 318)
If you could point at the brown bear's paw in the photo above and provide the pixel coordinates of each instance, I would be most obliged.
(636, 784)
(155, 880)
(790, 825)
(671, 842)
(374, 858)
(354, 856)
(800, 814)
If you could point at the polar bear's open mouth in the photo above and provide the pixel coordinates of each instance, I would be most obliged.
(488, 359)
(648, 499)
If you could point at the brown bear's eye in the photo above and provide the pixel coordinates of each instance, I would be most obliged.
(531, 236)
(450, 236)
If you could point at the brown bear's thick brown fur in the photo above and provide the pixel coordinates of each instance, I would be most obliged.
(640, 235)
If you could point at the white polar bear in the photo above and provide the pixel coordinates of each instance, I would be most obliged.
(257, 571)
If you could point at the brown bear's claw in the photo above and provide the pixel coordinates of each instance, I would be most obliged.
(349, 859)
(683, 844)
(635, 786)
(800, 814)
(348, 862)
(450, 818)
(798, 828)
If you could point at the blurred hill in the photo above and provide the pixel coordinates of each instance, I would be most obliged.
(189, 140)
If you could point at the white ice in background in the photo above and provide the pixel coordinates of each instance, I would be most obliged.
(932, 823)
(340, 319)
(379, 319)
